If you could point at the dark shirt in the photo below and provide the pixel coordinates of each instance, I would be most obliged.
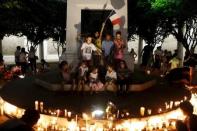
(123, 73)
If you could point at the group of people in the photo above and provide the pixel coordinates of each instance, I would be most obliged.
(28, 59)
(23, 58)
(98, 78)
(160, 60)
(102, 64)
(95, 51)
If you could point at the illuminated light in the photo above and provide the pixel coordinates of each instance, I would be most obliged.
(97, 113)
(133, 124)
(21, 76)
(36, 105)
(142, 111)
(85, 116)
(72, 126)
(69, 114)
(10, 109)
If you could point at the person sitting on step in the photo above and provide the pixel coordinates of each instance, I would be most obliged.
(110, 77)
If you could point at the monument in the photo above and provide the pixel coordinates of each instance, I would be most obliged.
(74, 17)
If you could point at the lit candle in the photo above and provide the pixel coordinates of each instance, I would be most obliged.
(142, 111)
(69, 114)
(148, 72)
(58, 112)
(160, 110)
(166, 104)
(41, 106)
(36, 105)
(149, 111)
(185, 98)
(171, 104)
(93, 115)
(76, 118)
(118, 112)
(65, 113)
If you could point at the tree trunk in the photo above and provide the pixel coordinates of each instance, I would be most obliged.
(41, 50)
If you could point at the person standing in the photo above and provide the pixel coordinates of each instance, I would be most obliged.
(107, 45)
(32, 59)
(97, 55)
(146, 55)
(87, 49)
(17, 55)
(119, 48)
(174, 63)
(23, 60)
(157, 58)
(133, 56)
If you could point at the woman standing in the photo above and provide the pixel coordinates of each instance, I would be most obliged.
(119, 48)
(133, 56)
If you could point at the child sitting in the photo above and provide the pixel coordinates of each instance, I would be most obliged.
(95, 84)
(83, 69)
(110, 77)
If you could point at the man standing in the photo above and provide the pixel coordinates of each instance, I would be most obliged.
(107, 45)
(87, 49)
(17, 55)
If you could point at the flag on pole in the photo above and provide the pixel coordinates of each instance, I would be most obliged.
(115, 20)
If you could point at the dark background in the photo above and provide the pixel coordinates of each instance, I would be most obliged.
(91, 21)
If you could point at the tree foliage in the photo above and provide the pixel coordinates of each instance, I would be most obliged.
(36, 19)
(154, 20)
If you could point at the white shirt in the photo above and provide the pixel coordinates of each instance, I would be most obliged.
(87, 50)
(111, 75)
(94, 75)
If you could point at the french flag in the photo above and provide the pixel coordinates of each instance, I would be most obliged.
(115, 19)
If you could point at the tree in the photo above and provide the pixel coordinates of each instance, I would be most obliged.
(154, 20)
(179, 18)
(37, 20)
(144, 21)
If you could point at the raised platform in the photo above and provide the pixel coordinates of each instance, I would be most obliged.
(24, 92)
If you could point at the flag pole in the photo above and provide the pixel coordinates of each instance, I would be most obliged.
(104, 23)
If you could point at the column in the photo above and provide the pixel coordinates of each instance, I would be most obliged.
(140, 48)
(1, 46)
(41, 51)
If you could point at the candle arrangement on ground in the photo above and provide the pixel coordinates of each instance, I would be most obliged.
(148, 110)
(100, 120)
